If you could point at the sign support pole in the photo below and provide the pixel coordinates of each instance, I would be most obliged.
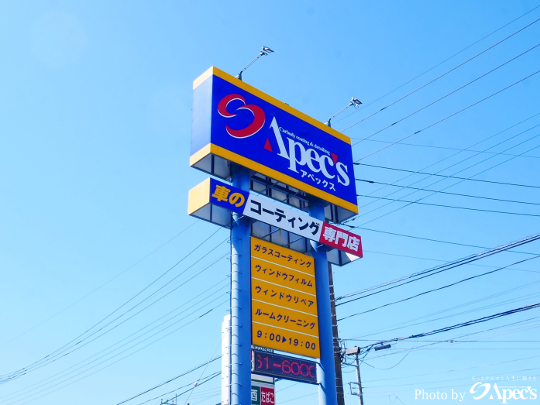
(326, 370)
(240, 299)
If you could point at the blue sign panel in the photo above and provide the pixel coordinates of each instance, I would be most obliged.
(241, 124)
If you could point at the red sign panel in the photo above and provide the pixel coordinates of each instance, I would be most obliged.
(267, 396)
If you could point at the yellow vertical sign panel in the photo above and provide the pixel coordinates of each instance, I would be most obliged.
(283, 299)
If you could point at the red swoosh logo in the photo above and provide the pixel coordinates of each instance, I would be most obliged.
(259, 117)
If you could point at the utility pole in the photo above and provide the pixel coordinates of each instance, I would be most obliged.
(337, 347)
(360, 394)
(356, 351)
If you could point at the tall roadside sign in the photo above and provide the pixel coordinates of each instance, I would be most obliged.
(289, 183)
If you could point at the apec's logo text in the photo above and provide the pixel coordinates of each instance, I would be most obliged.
(300, 154)
(480, 391)
(483, 392)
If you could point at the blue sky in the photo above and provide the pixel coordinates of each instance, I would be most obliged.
(95, 119)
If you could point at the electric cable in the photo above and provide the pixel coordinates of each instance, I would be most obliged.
(522, 325)
(431, 239)
(434, 289)
(444, 61)
(452, 185)
(108, 365)
(449, 116)
(424, 319)
(457, 153)
(462, 170)
(378, 252)
(209, 378)
(462, 324)
(502, 183)
(196, 384)
(451, 339)
(395, 365)
(454, 149)
(447, 193)
(437, 269)
(409, 202)
(132, 338)
(440, 98)
(191, 370)
(99, 287)
(75, 342)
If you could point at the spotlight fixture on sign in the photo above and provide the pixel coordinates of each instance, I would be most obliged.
(263, 52)
(354, 102)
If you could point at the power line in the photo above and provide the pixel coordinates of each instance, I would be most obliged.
(438, 269)
(463, 160)
(48, 386)
(424, 318)
(202, 373)
(76, 342)
(452, 206)
(449, 176)
(447, 193)
(431, 239)
(524, 321)
(454, 370)
(449, 116)
(86, 361)
(460, 313)
(452, 185)
(169, 380)
(453, 149)
(378, 252)
(108, 365)
(436, 289)
(456, 326)
(440, 63)
(443, 97)
(206, 379)
(101, 286)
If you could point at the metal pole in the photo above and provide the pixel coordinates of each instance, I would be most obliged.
(240, 299)
(358, 379)
(326, 371)
(337, 347)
